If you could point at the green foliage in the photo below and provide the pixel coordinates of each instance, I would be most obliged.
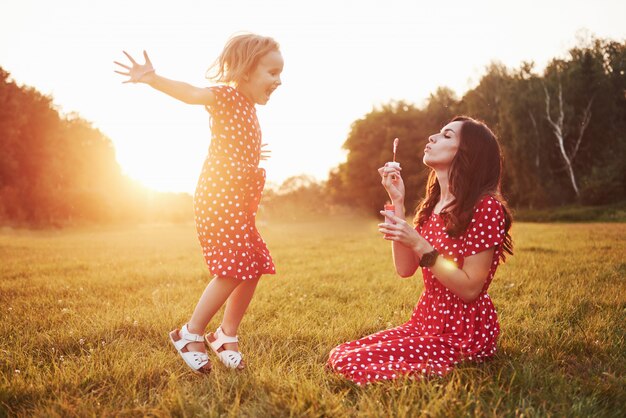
(513, 103)
(298, 198)
(604, 183)
(86, 312)
(59, 170)
(357, 182)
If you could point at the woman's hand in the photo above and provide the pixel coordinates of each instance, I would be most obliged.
(137, 71)
(392, 182)
(403, 233)
(265, 153)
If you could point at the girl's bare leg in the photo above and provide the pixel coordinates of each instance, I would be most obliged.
(236, 307)
(212, 299)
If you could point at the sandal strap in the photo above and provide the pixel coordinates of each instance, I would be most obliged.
(225, 338)
(189, 336)
(221, 339)
(194, 359)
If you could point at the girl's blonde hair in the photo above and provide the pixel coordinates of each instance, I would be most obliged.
(240, 56)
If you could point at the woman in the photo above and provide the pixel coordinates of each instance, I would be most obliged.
(461, 235)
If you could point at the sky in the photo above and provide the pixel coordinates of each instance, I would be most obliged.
(342, 59)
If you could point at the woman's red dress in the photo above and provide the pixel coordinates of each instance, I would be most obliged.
(443, 330)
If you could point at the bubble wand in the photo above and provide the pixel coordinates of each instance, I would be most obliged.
(394, 163)
(389, 208)
(395, 147)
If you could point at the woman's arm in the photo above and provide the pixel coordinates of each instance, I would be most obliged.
(404, 258)
(144, 73)
(466, 282)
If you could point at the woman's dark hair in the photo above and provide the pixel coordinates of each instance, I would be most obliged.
(475, 172)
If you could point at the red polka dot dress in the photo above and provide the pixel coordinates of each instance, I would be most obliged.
(229, 190)
(443, 330)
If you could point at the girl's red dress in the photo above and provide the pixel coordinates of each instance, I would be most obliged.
(229, 190)
(443, 330)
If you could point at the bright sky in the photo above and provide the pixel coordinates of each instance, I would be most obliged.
(341, 59)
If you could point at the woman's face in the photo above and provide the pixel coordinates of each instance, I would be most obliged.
(442, 146)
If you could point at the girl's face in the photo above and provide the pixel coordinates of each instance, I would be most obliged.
(261, 82)
(443, 146)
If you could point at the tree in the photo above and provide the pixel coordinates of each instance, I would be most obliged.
(587, 120)
(568, 152)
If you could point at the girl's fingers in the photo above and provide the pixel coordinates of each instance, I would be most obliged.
(130, 58)
(122, 65)
(119, 72)
(145, 55)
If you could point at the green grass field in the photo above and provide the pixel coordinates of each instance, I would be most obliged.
(86, 313)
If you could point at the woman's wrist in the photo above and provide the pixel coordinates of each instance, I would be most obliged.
(398, 204)
(422, 247)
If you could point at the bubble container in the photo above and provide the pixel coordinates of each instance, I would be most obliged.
(389, 209)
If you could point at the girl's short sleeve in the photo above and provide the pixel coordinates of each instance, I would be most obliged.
(486, 229)
(223, 95)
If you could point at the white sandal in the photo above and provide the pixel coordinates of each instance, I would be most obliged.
(196, 360)
(231, 359)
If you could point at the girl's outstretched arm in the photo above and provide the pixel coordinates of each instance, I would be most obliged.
(144, 73)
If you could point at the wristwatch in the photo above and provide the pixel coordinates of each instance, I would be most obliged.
(429, 259)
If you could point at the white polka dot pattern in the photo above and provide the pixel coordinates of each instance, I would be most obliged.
(443, 330)
(229, 190)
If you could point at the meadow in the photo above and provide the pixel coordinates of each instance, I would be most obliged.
(85, 315)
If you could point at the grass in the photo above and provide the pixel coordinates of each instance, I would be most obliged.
(85, 316)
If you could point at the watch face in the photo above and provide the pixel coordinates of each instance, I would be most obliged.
(428, 259)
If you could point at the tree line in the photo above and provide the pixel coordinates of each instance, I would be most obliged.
(59, 170)
(563, 134)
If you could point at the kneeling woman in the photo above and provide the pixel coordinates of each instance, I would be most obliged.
(461, 235)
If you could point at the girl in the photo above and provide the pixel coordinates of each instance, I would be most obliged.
(461, 236)
(228, 191)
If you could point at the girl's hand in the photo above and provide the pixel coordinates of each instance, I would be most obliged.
(265, 153)
(392, 182)
(403, 233)
(137, 71)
